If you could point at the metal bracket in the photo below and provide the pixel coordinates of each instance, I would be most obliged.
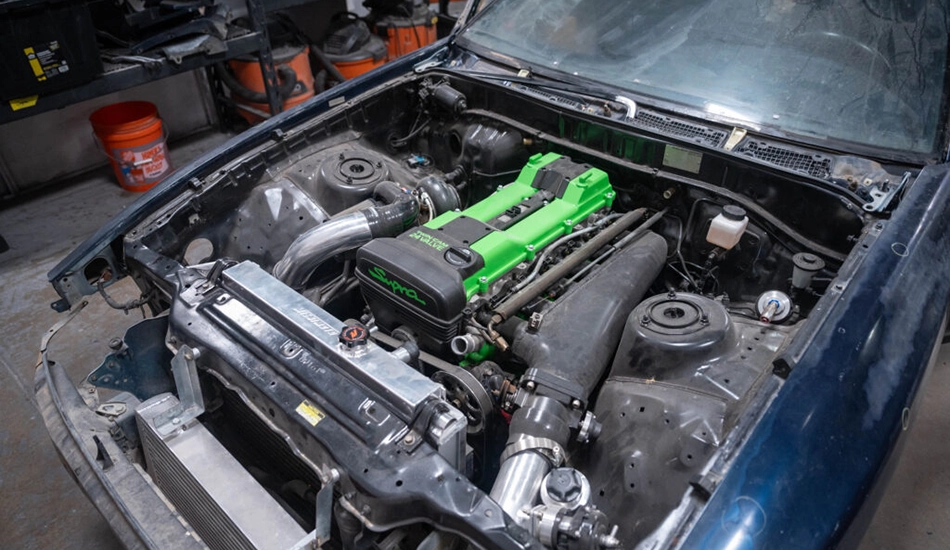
(430, 63)
(324, 520)
(190, 402)
(258, 17)
(881, 198)
(140, 365)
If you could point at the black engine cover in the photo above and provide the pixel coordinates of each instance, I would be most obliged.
(404, 283)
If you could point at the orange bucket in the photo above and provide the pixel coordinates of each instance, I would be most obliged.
(131, 135)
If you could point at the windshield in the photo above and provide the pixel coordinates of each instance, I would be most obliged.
(869, 72)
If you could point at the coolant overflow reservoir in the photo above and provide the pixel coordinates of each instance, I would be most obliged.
(727, 228)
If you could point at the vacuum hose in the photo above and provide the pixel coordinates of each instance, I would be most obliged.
(397, 212)
(286, 75)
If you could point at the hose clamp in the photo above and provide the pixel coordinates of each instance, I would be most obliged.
(547, 448)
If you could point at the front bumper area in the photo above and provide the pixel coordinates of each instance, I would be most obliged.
(135, 510)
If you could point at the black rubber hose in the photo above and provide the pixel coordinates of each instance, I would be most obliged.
(455, 175)
(331, 69)
(286, 75)
(444, 197)
(398, 213)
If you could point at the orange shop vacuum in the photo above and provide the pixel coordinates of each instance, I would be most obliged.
(406, 28)
(245, 81)
(295, 81)
(351, 46)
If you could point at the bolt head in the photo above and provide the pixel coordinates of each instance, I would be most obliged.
(530, 385)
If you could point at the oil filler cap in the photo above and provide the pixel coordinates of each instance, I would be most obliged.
(460, 257)
(354, 335)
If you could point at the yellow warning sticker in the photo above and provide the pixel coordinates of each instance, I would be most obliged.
(47, 60)
(310, 413)
(23, 102)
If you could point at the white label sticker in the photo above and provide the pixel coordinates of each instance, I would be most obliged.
(682, 159)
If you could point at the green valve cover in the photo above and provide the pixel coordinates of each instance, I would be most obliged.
(427, 275)
(550, 196)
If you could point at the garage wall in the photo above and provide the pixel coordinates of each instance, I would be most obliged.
(57, 144)
(51, 146)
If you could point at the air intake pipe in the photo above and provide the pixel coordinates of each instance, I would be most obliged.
(397, 212)
(569, 349)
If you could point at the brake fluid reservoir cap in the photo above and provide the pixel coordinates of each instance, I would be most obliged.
(733, 212)
(805, 267)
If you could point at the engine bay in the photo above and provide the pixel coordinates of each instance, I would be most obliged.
(449, 302)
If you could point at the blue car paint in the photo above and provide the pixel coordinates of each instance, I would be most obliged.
(815, 455)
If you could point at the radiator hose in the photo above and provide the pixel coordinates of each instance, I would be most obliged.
(397, 211)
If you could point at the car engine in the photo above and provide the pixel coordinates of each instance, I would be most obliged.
(431, 319)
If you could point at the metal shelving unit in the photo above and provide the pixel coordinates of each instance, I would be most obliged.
(120, 76)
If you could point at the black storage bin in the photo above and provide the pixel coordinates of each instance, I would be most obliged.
(46, 46)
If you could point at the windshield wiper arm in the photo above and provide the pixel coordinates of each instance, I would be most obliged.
(586, 93)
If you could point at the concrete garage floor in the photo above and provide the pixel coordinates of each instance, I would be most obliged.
(41, 506)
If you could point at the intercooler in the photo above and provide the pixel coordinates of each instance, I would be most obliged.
(226, 506)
